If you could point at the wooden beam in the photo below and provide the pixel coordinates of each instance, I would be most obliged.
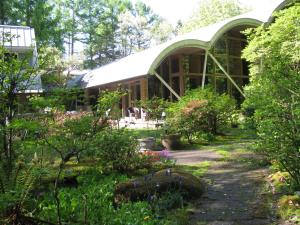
(181, 76)
(204, 69)
(167, 85)
(144, 88)
(170, 77)
(227, 75)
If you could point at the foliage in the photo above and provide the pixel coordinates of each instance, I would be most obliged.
(289, 207)
(15, 197)
(154, 107)
(280, 183)
(55, 70)
(200, 111)
(108, 29)
(108, 104)
(39, 15)
(139, 27)
(16, 76)
(212, 11)
(274, 89)
(118, 150)
(92, 203)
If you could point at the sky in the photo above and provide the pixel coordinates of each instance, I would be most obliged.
(174, 10)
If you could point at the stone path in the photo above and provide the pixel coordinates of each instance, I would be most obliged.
(235, 191)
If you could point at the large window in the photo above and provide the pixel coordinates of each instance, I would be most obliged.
(221, 85)
(154, 87)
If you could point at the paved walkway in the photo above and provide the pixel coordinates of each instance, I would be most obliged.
(235, 190)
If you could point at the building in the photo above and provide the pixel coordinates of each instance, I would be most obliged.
(210, 55)
(20, 42)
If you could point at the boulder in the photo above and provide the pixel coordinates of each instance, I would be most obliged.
(157, 183)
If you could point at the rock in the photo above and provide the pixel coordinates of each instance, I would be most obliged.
(143, 188)
(147, 143)
(297, 193)
(171, 141)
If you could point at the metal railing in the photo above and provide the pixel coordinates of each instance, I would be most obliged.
(17, 37)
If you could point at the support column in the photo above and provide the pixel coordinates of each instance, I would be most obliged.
(225, 72)
(170, 76)
(129, 95)
(181, 76)
(144, 88)
(167, 85)
(204, 69)
(87, 100)
(124, 107)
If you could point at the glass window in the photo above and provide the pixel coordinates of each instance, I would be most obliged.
(196, 64)
(221, 85)
(220, 46)
(234, 47)
(175, 86)
(138, 91)
(235, 66)
(210, 67)
(223, 62)
(175, 65)
(151, 86)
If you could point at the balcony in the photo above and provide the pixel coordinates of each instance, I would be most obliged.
(17, 39)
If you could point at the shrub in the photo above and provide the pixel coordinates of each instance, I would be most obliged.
(92, 203)
(118, 150)
(200, 111)
(154, 107)
(274, 89)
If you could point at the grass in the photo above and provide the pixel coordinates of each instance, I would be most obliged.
(197, 170)
(225, 154)
(289, 207)
(143, 133)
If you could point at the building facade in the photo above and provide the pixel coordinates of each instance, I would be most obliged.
(208, 56)
(19, 41)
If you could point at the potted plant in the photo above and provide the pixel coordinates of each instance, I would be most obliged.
(171, 139)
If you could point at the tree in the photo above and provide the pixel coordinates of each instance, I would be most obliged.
(38, 14)
(212, 11)
(67, 13)
(162, 32)
(6, 14)
(16, 174)
(16, 76)
(140, 28)
(274, 54)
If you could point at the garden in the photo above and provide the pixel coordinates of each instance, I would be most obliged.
(58, 167)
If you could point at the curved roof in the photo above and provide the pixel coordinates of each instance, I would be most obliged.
(145, 62)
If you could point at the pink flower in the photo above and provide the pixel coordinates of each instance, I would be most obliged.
(165, 153)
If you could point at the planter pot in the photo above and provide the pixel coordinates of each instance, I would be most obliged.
(171, 141)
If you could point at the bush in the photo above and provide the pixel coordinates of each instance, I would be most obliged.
(118, 150)
(92, 203)
(154, 107)
(200, 111)
(274, 89)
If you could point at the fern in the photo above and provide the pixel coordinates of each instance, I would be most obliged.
(17, 188)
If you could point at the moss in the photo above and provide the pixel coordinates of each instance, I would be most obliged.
(197, 170)
(289, 207)
(225, 155)
(280, 182)
(157, 183)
